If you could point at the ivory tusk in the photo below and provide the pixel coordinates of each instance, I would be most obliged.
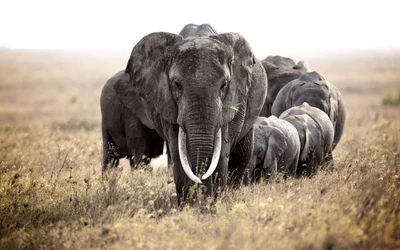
(183, 156)
(164, 152)
(215, 158)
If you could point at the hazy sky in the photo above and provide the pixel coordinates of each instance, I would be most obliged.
(271, 27)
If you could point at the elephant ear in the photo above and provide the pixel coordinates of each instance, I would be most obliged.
(241, 67)
(333, 106)
(277, 145)
(247, 90)
(126, 92)
(147, 68)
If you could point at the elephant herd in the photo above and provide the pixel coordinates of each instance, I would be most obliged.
(226, 117)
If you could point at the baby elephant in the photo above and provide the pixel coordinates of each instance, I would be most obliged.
(126, 132)
(276, 148)
(316, 133)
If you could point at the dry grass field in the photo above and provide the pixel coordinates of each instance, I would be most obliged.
(52, 195)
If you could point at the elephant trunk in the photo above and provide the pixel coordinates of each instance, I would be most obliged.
(204, 145)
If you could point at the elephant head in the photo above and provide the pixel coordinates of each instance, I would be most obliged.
(199, 85)
(269, 145)
(280, 71)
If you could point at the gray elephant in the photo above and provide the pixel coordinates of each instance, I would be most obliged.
(316, 135)
(280, 71)
(276, 148)
(127, 132)
(312, 88)
(202, 95)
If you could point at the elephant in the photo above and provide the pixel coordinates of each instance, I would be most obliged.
(202, 95)
(316, 134)
(126, 132)
(312, 88)
(276, 148)
(280, 71)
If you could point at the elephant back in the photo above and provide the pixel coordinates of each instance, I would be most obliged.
(280, 71)
(314, 89)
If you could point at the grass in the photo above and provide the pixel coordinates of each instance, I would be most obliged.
(391, 100)
(52, 194)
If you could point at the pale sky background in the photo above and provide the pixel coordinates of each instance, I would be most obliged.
(271, 27)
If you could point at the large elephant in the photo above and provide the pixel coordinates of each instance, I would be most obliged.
(280, 71)
(312, 88)
(276, 148)
(316, 134)
(202, 95)
(127, 132)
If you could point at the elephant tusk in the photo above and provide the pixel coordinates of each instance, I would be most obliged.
(183, 156)
(164, 152)
(215, 158)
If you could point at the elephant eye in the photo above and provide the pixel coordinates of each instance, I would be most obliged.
(224, 84)
(177, 85)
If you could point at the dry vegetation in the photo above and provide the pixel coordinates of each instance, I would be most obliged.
(52, 195)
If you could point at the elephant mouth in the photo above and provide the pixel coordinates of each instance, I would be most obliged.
(184, 156)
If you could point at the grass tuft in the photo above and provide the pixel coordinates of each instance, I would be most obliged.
(391, 99)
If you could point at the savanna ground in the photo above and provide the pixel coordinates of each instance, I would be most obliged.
(52, 195)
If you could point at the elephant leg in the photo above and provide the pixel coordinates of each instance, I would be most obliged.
(155, 144)
(221, 172)
(220, 176)
(328, 160)
(239, 160)
(257, 173)
(169, 161)
(110, 155)
(303, 168)
(131, 162)
(293, 168)
(182, 182)
(143, 142)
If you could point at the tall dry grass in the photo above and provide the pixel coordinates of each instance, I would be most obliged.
(52, 194)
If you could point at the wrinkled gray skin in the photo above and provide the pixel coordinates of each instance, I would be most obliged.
(280, 71)
(316, 134)
(126, 132)
(276, 148)
(312, 88)
(198, 86)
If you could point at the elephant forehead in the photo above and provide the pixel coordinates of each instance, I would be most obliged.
(198, 71)
(204, 63)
